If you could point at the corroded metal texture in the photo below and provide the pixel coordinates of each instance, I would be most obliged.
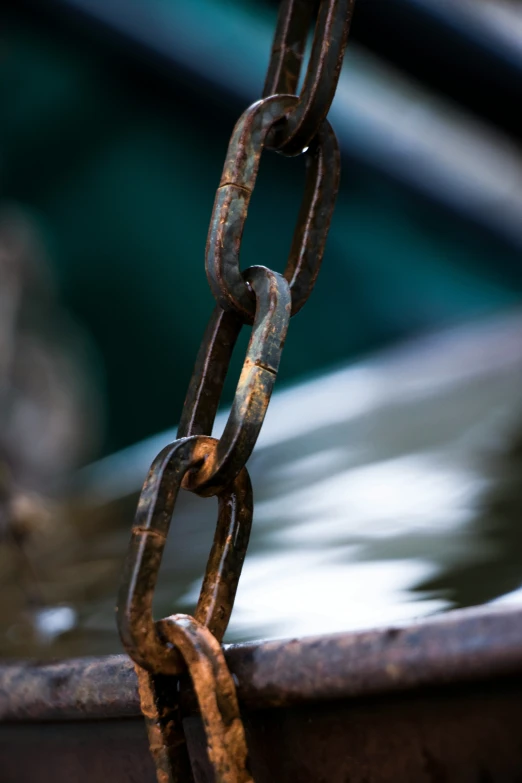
(163, 721)
(293, 25)
(233, 198)
(137, 627)
(216, 697)
(468, 646)
(211, 467)
(206, 384)
(221, 465)
(452, 736)
(458, 647)
(460, 736)
(301, 123)
(438, 702)
(78, 689)
(153, 644)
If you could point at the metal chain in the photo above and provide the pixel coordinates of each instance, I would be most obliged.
(331, 34)
(138, 630)
(255, 384)
(233, 196)
(164, 650)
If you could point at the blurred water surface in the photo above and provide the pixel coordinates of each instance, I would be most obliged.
(384, 491)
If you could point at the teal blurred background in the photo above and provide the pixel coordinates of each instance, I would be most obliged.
(116, 159)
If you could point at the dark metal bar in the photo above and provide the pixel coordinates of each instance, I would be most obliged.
(465, 646)
(79, 689)
(458, 647)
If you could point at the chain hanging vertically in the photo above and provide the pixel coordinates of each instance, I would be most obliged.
(164, 650)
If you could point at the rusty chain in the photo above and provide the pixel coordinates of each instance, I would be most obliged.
(165, 650)
(301, 124)
(226, 280)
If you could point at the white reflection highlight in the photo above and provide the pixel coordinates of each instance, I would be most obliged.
(510, 599)
(302, 593)
(53, 621)
(371, 487)
(458, 362)
(388, 498)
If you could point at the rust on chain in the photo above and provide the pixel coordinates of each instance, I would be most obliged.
(163, 649)
(216, 696)
(301, 123)
(465, 646)
(208, 376)
(220, 465)
(233, 197)
(163, 722)
(293, 25)
(138, 630)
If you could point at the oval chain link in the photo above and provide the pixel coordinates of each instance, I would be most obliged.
(233, 197)
(138, 629)
(254, 389)
(215, 694)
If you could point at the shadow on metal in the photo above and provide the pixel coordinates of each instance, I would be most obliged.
(437, 701)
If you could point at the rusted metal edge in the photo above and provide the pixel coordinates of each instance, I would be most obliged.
(461, 646)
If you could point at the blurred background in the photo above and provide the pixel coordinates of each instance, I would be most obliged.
(387, 479)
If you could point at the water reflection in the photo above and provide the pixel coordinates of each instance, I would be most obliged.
(380, 492)
(384, 492)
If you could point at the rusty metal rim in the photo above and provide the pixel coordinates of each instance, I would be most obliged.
(460, 646)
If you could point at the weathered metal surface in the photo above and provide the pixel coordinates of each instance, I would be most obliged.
(221, 465)
(293, 25)
(211, 467)
(435, 423)
(225, 742)
(453, 736)
(138, 630)
(439, 702)
(163, 721)
(300, 125)
(90, 752)
(458, 647)
(78, 689)
(458, 735)
(154, 645)
(468, 646)
(210, 369)
(233, 197)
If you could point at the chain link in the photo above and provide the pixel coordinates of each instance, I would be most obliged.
(138, 630)
(301, 124)
(215, 694)
(163, 650)
(255, 384)
(233, 197)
